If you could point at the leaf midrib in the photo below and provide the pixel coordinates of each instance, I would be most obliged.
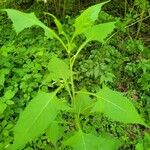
(28, 129)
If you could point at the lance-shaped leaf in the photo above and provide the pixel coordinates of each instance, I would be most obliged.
(59, 69)
(58, 24)
(83, 141)
(116, 106)
(99, 32)
(87, 18)
(36, 117)
(23, 20)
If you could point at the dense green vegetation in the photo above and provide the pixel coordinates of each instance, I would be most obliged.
(84, 71)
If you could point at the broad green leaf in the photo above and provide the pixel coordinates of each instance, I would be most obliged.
(83, 141)
(87, 18)
(54, 132)
(107, 142)
(36, 117)
(2, 107)
(83, 103)
(117, 107)
(59, 69)
(99, 32)
(23, 20)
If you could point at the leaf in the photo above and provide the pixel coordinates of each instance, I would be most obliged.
(59, 69)
(117, 107)
(87, 18)
(99, 32)
(23, 20)
(83, 103)
(83, 141)
(139, 146)
(9, 94)
(2, 107)
(54, 132)
(9, 102)
(36, 117)
(58, 23)
(3, 72)
(107, 142)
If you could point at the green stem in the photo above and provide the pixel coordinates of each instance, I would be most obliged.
(60, 40)
(72, 83)
(59, 88)
(68, 89)
(140, 23)
(72, 61)
(77, 121)
(78, 51)
(137, 21)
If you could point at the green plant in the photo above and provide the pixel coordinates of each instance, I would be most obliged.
(41, 112)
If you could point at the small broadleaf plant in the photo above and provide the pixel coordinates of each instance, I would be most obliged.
(39, 116)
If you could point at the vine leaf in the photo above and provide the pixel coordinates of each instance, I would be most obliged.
(84, 141)
(87, 18)
(117, 107)
(23, 20)
(83, 103)
(99, 32)
(36, 117)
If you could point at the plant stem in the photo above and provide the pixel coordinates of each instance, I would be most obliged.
(78, 51)
(140, 23)
(63, 44)
(125, 7)
(72, 61)
(72, 82)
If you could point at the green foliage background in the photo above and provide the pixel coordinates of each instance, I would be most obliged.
(122, 64)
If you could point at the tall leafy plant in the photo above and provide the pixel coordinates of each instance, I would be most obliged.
(41, 112)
